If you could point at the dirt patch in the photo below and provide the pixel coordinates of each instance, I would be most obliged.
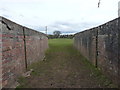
(64, 67)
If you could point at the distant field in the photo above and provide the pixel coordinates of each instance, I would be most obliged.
(60, 42)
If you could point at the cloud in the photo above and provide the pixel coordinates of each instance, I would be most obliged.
(68, 16)
(69, 27)
(20, 1)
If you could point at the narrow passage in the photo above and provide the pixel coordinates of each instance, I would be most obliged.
(64, 67)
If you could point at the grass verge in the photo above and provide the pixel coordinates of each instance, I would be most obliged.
(64, 64)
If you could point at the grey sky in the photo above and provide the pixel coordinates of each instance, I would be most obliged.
(68, 16)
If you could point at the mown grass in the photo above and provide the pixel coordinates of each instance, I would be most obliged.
(61, 56)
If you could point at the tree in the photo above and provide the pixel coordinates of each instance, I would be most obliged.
(56, 33)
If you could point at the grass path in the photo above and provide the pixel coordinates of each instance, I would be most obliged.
(64, 67)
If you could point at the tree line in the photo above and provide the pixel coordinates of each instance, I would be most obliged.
(56, 34)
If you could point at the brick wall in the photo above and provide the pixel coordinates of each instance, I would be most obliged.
(100, 46)
(36, 44)
(19, 47)
(0, 52)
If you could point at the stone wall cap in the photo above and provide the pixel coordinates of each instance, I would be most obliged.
(0, 18)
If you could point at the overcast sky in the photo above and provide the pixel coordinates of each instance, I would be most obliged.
(67, 16)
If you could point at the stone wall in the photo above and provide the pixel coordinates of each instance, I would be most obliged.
(19, 47)
(100, 46)
(86, 42)
(119, 52)
(36, 44)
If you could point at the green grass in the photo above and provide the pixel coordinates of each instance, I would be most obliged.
(61, 57)
(58, 44)
(97, 73)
